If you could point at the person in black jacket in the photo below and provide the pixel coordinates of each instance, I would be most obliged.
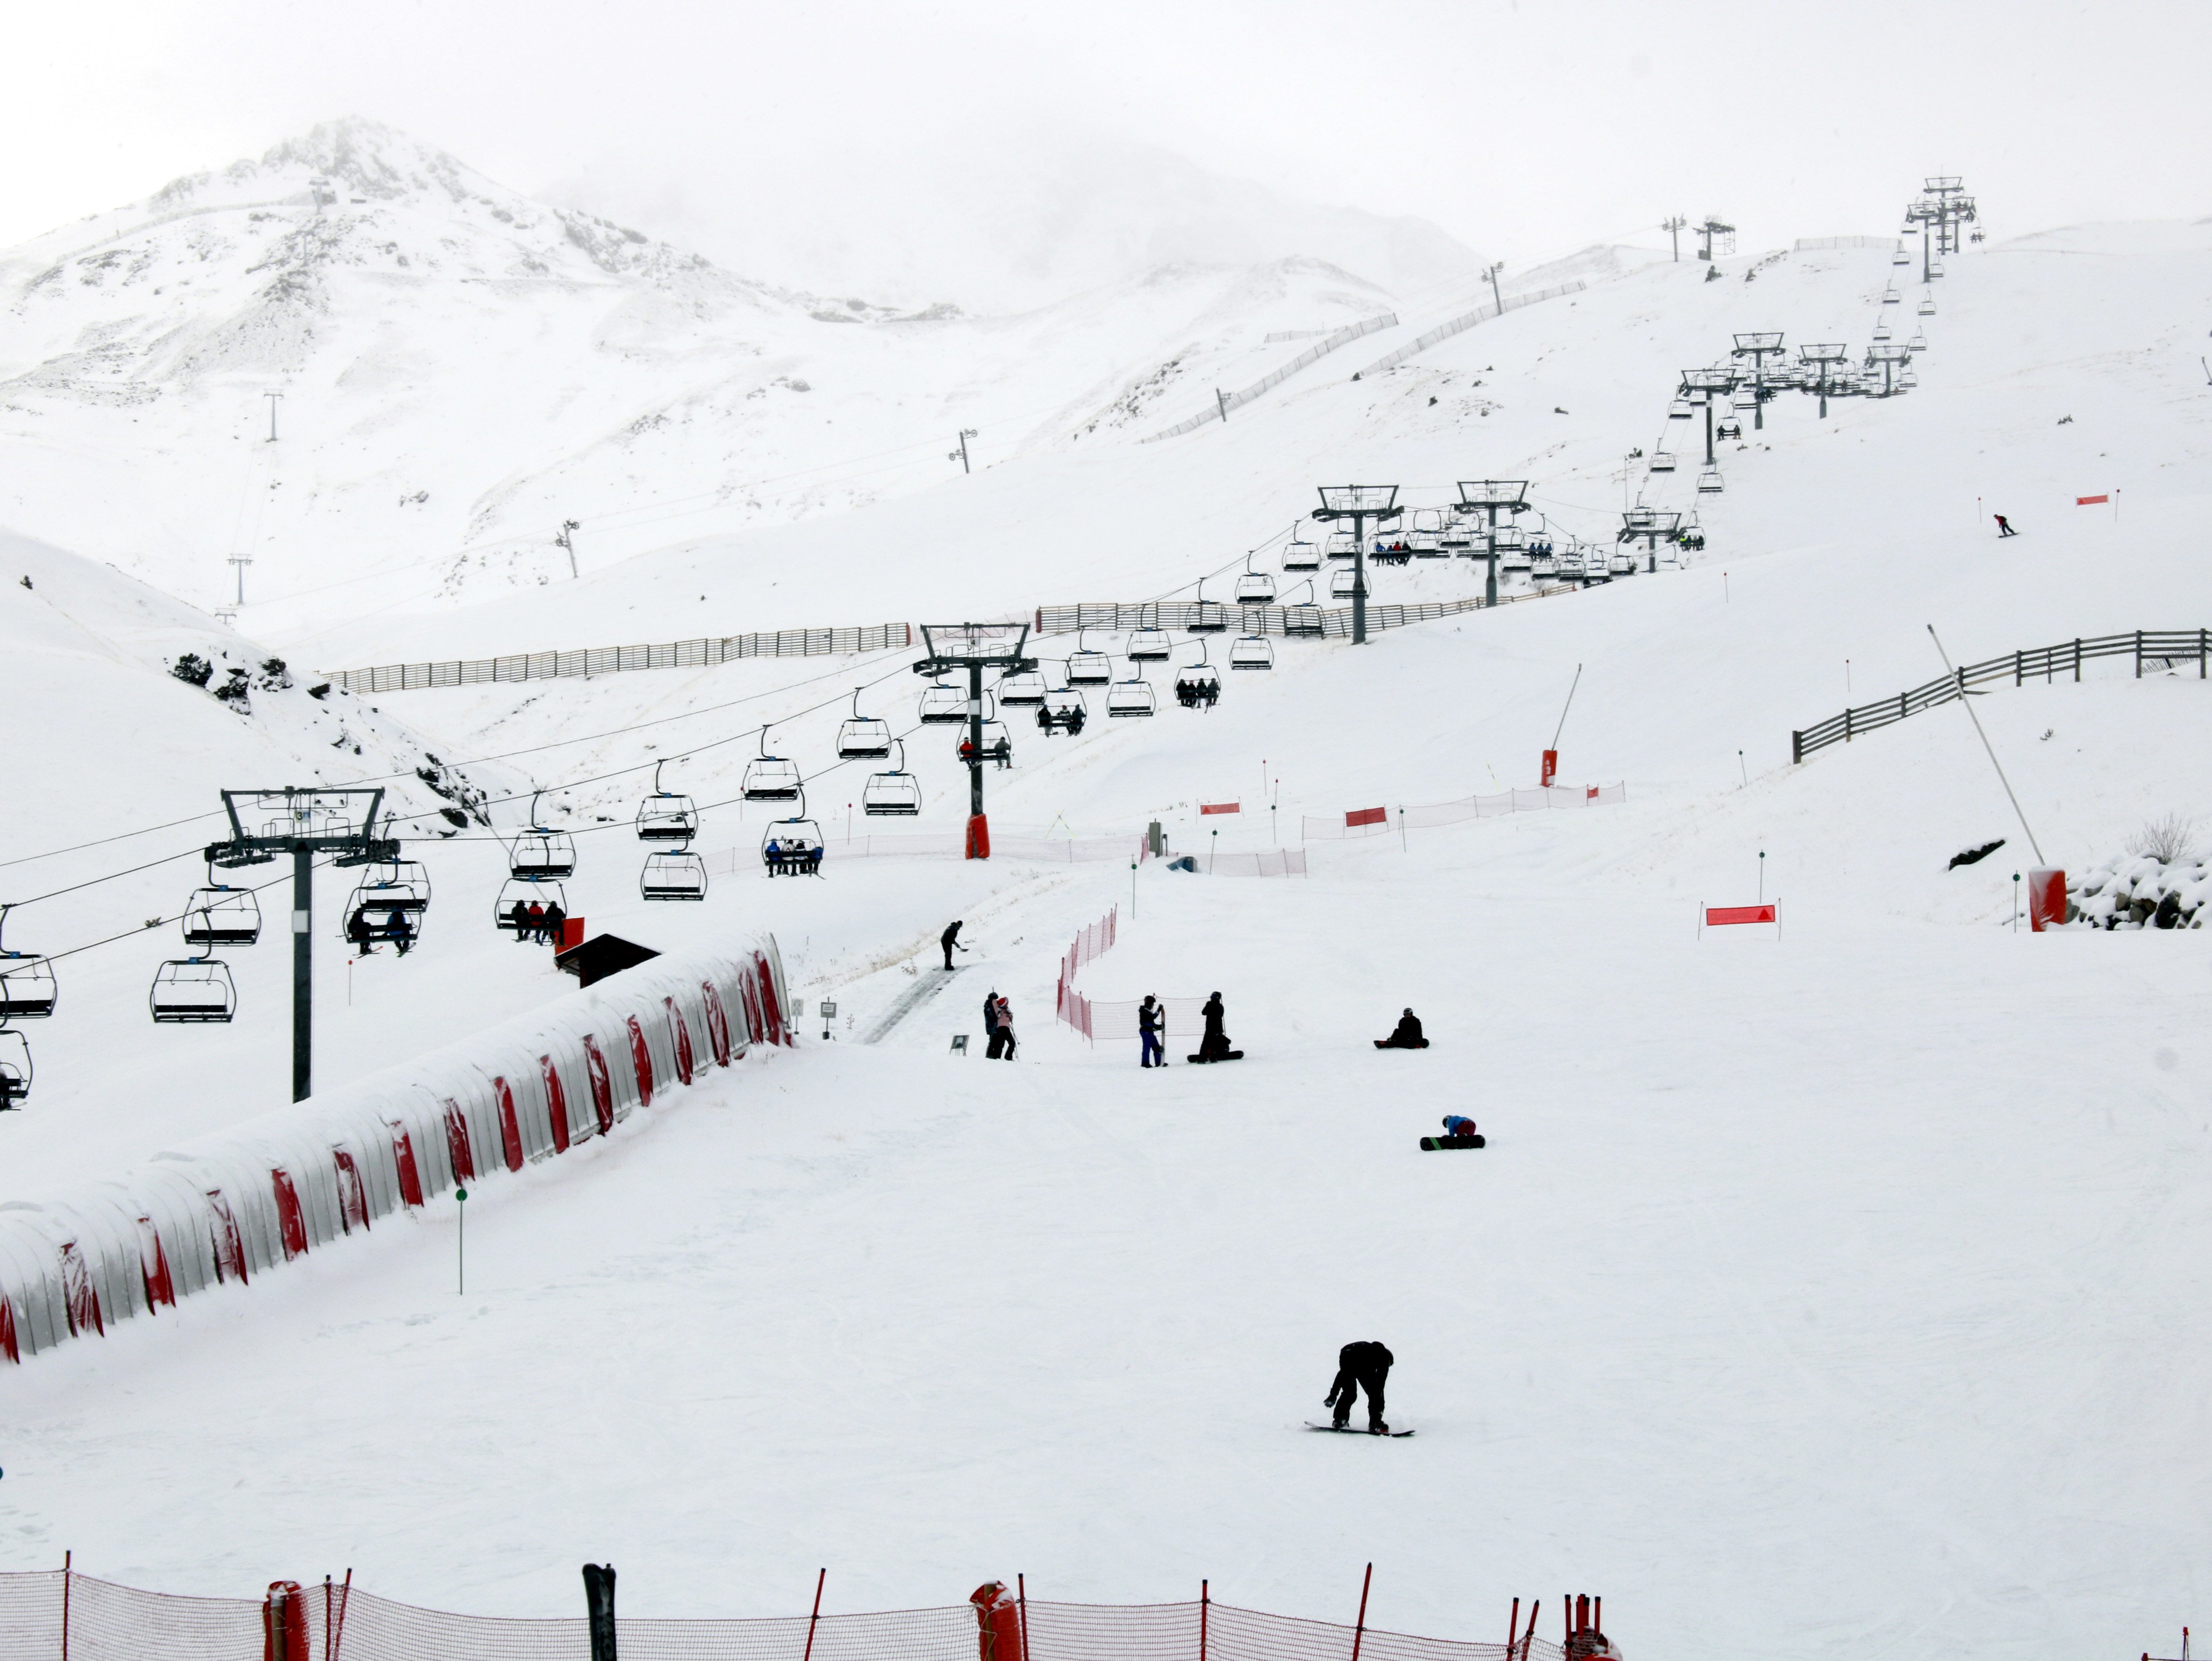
(1406, 1035)
(1365, 1366)
(1214, 1046)
(947, 940)
(1151, 1021)
(991, 1029)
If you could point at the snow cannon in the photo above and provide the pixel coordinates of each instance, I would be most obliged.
(1585, 1642)
(284, 1623)
(997, 1622)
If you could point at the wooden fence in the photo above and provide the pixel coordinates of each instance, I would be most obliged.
(2161, 648)
(588, 662)
(1334, 621)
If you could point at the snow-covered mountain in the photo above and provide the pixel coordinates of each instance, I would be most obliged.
(453, 371)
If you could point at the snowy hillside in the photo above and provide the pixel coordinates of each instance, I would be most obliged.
(1819, 1282)
(460, 369)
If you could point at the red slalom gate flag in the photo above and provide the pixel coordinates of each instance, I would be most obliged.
(1360, 816)
(1718, 915)
(1206, 808)
(2091, 502)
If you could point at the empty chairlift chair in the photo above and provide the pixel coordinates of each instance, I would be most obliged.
(192, 990)
(1340, 583)
(1255, 588)
(1890, 296)
(541, 852)
(1901, 257)
(1086, 667)
(896, 794)
(665, 818)
(1023, 690)
(1663, 461)
(1681, 409)
(1341, 545)
(1252, 652)
(1304, 622)
(1710, 483)
(1926, 306)
(863, 738)
(29, 990)
(770, 778)
(1149, 645)
(217, 915)
(1513, 553)
(1131, 699)
(669, 875)
(1207, 616)
(1299, 555)
(1426, 536)
(942, 705)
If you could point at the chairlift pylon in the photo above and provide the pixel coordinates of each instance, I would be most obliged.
(863, 738)
(193, 991)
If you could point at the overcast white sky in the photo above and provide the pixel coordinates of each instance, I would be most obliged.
(1525, 129)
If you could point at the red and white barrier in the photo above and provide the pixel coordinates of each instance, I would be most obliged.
(294, 1180)
(2046, 898)
(1733, 916)
(1375, 821)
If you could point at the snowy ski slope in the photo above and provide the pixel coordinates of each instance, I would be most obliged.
(1833, 1287)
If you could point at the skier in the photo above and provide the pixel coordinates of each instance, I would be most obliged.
(555, 916)
(991, 1029)
(1456, 1125)
(1360, 1367)
(533, 921)
(948, 939)
(357, 930)
(1151, 1021)
(1407, 1034)
(519, 916)
(1006, 1028)
(1214, 1046)
(2004, 525)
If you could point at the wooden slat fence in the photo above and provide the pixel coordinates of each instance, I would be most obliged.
(589, 661)
(1335, 620)
(2160, 648)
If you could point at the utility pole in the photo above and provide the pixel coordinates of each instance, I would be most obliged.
(1491, 273)
(1490, 497)
(309, 822)
(1758, 348)
(272, 398)
(960, 455)
(975, 647)
(568, 547)
(1673, 226)
(1358, 503)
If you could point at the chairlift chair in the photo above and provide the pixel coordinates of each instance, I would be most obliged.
(1304, 622)
(1744, 399)
(192, 990)
(1198, 686)
(1621, 565)
(543, 893)
(1255, 587)
(894, 793)
(218, 915)
(1425, 535)
(1459, 533)
(770, 778)
(1881, 330)
(1207, 616)
(27, 987)
(863, 738)
(1934, 268)
(14, 1070)
(1299, 555)
(540, 851)
(1710, 482)
(1064, 711)
(942, 705)
(1663, 461)
(1252, 652)
(1341, 545)
(387, 908)
(1926, 306)
(666, 816)
(1729, 431)
(668, 875)
(1132, 698)
(998, 744)
(1024, 690)
(1543, 565)
(1681, 409)
(1890, 296)
(1340, 583)
(1086, 667)
(1149, 645)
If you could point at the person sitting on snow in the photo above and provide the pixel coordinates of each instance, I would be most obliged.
(1405, 1036)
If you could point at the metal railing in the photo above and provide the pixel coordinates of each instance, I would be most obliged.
(1465, 320)
(2160, 647)
(1335, 621)
(588, 662)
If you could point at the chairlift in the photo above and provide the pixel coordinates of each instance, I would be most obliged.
(863, 738)
(1198, 686)
(1064, 711)
(896, 794)
(545, 892)
(1340, 583)
(668, 875)
(1255, 587)
(1304, 622)
(1881, 331)
(1252, 652)
(1544, 565)
(1023, 690)
(192, 990)
(1901, 257)
(1299, 555)
(1207, 616)
(1149, 645)
(1621, 565)
(541, 852)
(1729, 431)
(1710, 483)
(998, 744)
(1890, 296)
(770, 778)
(664, 816)
(219, 914)
(388, 908)
(1341, 545)
(1926, 306)
(14, 1070)
(27, 987)
(1934, 268)
(1086, 667)
(942, 705)
(1663, 461)
(1681, 409)
(1131, 698)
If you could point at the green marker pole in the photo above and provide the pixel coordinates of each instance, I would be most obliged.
(461, 1199)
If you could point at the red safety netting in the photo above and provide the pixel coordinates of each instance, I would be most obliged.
(78, 1618)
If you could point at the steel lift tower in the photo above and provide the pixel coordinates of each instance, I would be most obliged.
(975, 647)
(1358, 503)
(1492, 497)
(1758, 348)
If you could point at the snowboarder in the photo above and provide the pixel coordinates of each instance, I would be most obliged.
(948, 939)
(519, 916)
(1406, 1035)
(1214, 1046)
(1360, 1367)
(1455, 1125)
(1005, 1012)
(991, 1031)
(1151, 1021)
(2004, 525)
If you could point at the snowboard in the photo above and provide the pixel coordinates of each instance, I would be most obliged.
(1438, 1144)
(1233, 1056)
(1353, 1430)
